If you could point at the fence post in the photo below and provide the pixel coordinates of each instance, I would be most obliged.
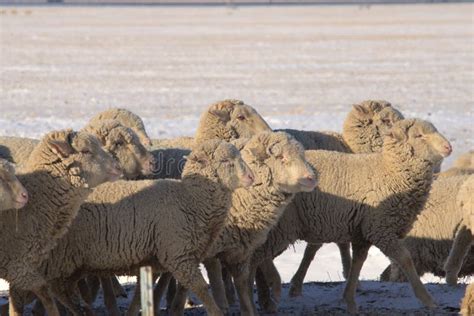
(146, 290)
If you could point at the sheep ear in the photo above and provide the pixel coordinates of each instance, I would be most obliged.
(196, 159)
(62, 147)
(258, 150)
(397, 134)
(222, 111)
(360, 109)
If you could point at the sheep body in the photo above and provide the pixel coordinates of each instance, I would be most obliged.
(58, 177)
(127, 224)
(375, 201)
(432, 235)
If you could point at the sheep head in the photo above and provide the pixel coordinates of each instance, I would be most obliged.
(126, 118)
(12, 193)
(367, 123)
(419, 139)
(234, 119)
(218, 161)
(86, 163)
(124, 145)
(284, 159)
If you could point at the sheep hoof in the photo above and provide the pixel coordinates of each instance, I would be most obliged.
(270, 307)
(295, 290)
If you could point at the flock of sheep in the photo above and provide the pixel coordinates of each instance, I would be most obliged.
(233, 198)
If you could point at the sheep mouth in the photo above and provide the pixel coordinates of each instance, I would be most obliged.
(19, 204)
(307, 185)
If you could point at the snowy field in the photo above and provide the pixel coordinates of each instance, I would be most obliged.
(301, 67)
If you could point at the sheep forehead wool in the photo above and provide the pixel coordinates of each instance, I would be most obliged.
(272, 144)
(128, 119)
(230, 119)
(367, 123)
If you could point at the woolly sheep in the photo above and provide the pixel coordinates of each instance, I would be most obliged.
(363, 131)
(431, 238)
(464, 236)
(277, 161)
(12, 193)
(59, 175)
(184, 142)
(128, 224)
(126, 118)
(374, 202)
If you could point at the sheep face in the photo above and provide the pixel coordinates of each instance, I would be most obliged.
(421, 138)
(370, 121)
(220, 162)
(284, 157)
(243, 120)
(465, 161)
(88, 164)
(12, 193)
(124, 144)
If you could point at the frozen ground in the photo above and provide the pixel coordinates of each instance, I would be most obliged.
(301, 67)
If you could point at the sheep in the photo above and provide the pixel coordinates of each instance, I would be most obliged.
(126, 118)
(127, 224)
(464, 236)
(374, 202)
(464, 165)
(431, 238)
(184, 142)
(277, 160)
(59, 175)
(363, 130)
(12, 193)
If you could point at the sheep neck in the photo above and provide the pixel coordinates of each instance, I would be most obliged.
(212, 199)
(34, 230)
(410, 178)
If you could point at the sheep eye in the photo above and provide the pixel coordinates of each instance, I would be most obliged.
(86, 151)
(241, 117)
(370, 121)
(224, 160)
(418, 136)
(386, 121)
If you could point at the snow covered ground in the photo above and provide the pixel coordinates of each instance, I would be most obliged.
(301, 67)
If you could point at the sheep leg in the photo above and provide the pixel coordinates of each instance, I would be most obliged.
(241, 274)
(360, 252)
(118, 288)
(94, 286)
(179, 301)
(457, 254)
(15, 302)
(272, 276)
(229, 286)
(345, 251)
(134, 306)
(171, 293)
(48, 303)
(398, 253)
(160, 289)
(85, 291)
(265, 299)
(297, 280)
(67, 295)
(189, 276)
(38, 309)
(109, 296)
(214, 272)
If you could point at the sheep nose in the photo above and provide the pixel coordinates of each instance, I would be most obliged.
(308, 180)
(448, 148)
(24, 195)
